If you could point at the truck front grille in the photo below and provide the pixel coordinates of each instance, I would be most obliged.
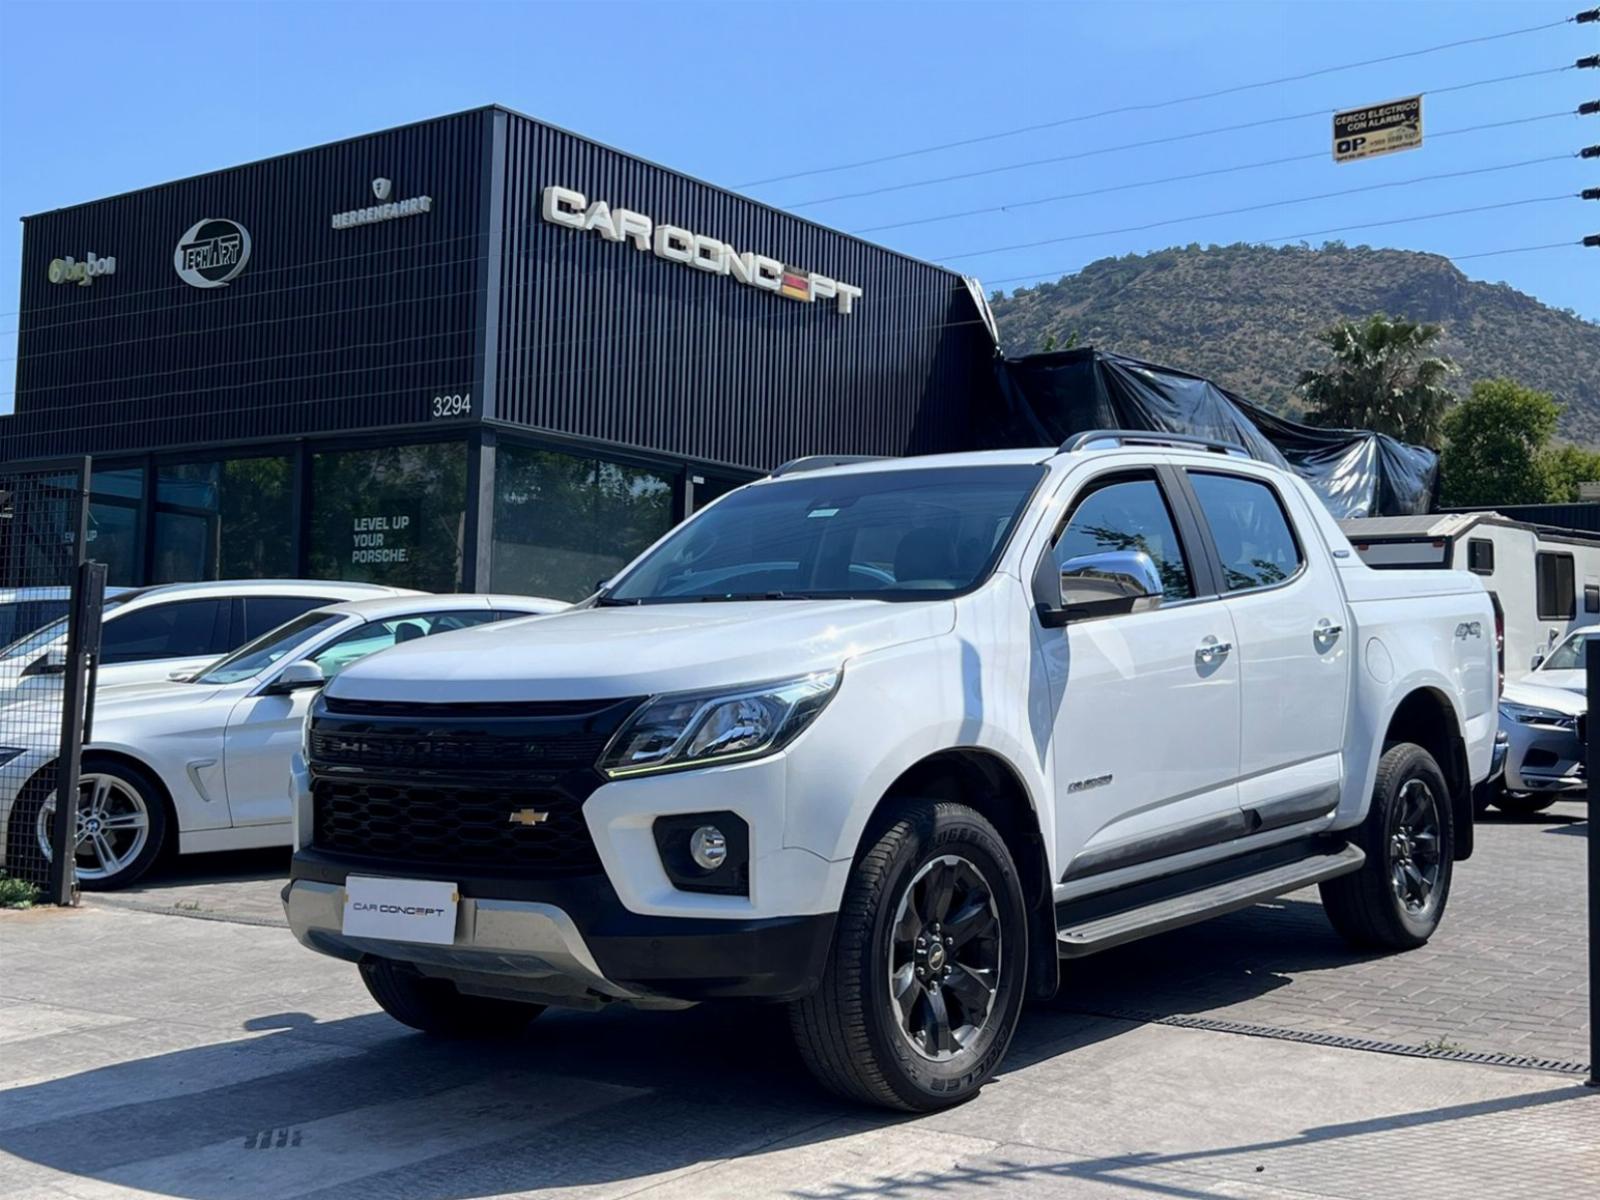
(460, 788)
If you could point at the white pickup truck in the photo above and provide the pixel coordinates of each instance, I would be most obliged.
(886, 740)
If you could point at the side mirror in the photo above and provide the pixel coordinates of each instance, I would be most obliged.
(296, 677)
(1107, 584)
(51, 662)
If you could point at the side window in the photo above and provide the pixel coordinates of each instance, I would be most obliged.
(380, 635)
(262, 614)
(1480, 556)
(1128, 514)
(1248, 525)
(1556, 598)
(1591, 597)
(182, 629)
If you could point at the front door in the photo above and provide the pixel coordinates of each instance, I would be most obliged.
(1147, 724)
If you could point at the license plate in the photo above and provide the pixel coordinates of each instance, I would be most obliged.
(401, 910)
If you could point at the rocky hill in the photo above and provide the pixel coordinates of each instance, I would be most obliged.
(1244, 315)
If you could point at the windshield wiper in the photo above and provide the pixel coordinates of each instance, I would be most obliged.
(613, 602)
(738, 596)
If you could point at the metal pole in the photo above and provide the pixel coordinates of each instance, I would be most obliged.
(63, 829)
(1592, 768)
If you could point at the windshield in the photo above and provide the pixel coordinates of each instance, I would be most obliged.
(47, 635)
(271, 647)
(24, 616)
(891, 535)
(1569, 655)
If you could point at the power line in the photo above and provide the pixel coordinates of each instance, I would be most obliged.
(1151, 106)
(1229, 212)
(980, 172)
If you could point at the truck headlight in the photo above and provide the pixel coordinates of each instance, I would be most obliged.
(692, 729)
(1527, 714)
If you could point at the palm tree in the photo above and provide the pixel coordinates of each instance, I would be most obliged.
(1381, 378)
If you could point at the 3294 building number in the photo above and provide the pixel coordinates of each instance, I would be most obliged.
(457, 405)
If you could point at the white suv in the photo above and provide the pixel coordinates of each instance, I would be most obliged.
(886, 740)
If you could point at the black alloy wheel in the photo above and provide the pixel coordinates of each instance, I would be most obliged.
(944, 958)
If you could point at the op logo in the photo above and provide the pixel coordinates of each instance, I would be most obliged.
(212, 252)
(381, 188)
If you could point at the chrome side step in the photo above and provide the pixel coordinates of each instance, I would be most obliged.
(1075, 938)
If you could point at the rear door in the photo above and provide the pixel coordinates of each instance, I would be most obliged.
(1288, 615)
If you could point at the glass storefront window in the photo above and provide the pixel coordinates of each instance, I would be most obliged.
(562, 522)
(395, 515)
(114, 498)
(224, 520)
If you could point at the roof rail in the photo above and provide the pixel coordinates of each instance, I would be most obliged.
(1134, 437)
(820, 462)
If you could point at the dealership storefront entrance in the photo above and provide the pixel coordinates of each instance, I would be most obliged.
(516, 363)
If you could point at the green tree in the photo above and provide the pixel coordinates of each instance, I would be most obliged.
(1382, 378)
(1564, 468)
(1051, 343)
(1495, 445)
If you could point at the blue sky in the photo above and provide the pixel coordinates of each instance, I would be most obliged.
(100, 98)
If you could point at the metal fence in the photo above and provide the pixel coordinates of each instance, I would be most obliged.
(50, 605)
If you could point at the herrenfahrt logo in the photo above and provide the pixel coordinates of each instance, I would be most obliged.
(213, 252)
(382, 187)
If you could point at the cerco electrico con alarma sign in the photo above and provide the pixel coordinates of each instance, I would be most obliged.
(563, 206)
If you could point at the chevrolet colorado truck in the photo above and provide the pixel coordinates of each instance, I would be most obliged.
(887, 741)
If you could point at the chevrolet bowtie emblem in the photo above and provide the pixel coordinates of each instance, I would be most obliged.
(528, 816)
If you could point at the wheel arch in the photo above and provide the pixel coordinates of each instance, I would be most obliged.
(985, 782)
(1427, 717)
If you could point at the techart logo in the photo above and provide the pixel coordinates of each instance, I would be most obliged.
(212, 253)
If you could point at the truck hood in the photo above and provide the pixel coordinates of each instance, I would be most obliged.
(1536, 695)
(600, 653)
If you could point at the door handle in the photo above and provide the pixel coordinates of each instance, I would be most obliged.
(1211, 651)
(1326, 633)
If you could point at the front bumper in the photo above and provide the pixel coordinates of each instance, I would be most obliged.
(1544, 758)
(571, 941)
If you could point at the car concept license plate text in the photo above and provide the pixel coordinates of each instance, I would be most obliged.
(404, 910)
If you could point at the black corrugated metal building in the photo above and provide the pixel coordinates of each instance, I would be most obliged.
(475, 352)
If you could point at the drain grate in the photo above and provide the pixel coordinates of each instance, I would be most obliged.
(1344, 1041)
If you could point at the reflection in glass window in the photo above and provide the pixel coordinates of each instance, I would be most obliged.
(380, 635)
(114, 497)
(274, 646)
(1253, 538)
(179, 629)
(394, 516)
(1129, 514)
(561, 523)
(224, 520)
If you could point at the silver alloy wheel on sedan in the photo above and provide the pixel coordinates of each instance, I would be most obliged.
(113, 825)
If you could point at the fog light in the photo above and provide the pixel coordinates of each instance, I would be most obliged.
(708, 847)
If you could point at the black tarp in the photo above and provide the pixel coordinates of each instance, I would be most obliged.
(1049, 397)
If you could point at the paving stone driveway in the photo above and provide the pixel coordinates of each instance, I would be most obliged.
(1506, 973)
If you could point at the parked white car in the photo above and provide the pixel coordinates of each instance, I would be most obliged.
(886, 740)
(203, 764)
(22, 610)
(152, 633)
(1545, 719)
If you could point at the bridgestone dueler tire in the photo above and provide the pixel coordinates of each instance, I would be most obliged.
(436, 1007)
(1362, 906)
(847, 1031)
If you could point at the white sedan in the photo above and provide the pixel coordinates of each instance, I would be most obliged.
(202, 763)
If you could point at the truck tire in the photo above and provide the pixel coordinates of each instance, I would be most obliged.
(1395, 901)
(929, 964)
(1523, 804)
(435, 1005)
